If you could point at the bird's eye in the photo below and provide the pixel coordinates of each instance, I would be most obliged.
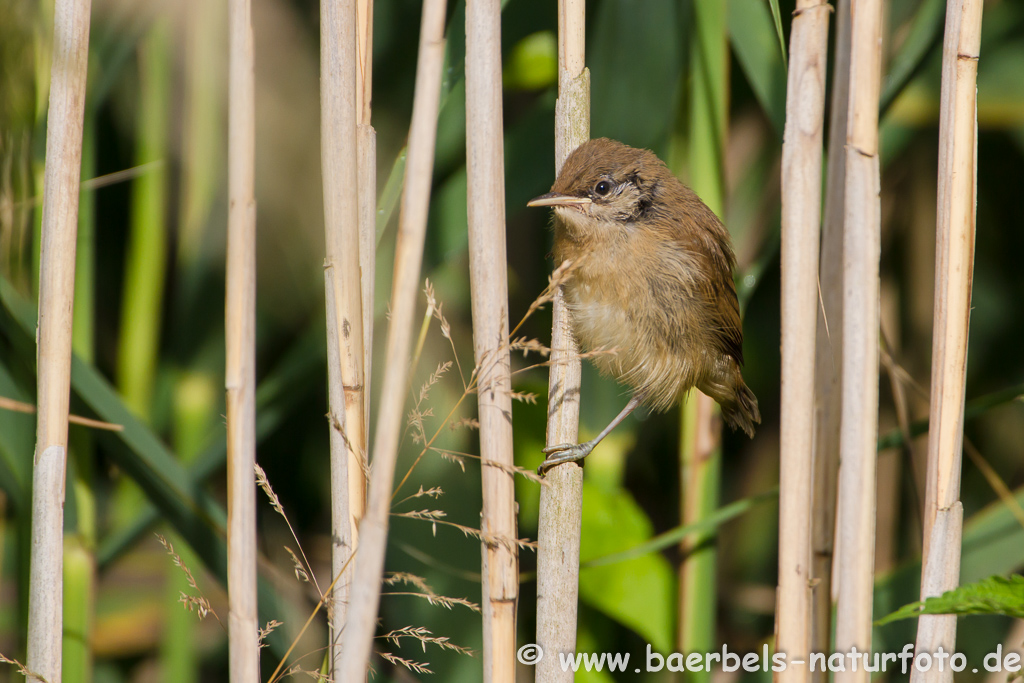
(603, 188)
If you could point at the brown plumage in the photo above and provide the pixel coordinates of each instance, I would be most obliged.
(653, 279)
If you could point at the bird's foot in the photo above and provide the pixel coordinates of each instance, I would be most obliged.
(563, 453)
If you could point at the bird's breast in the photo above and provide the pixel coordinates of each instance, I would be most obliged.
(642, 324)
(601, 318)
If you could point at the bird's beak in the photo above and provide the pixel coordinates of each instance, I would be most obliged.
(556, 199)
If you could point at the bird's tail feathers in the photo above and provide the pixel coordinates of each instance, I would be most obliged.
(742, 412)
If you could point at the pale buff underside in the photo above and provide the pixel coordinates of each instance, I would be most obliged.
(631, 342)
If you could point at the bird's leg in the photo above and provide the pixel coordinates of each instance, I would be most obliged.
(574, 452)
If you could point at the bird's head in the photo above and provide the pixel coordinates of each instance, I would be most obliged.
(606, 185)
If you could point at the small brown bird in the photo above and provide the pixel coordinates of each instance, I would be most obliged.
(652, 279)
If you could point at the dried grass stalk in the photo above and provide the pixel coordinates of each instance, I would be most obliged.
(829, 350)
(935, 630)
(344, 292)
(485, 163)
(357, 638)
(364, 60)
(240, 338)
(954, 258)
(859, 430)
(65, 119)
(561, 501)
(366, 143)
(45, 599)
(954, 268)
(801, 210)
(240, 372)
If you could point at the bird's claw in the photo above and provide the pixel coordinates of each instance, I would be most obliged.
(563, 453)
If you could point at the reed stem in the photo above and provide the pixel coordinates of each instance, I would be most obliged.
(59, 230)
(561, 501)
(485, 165)
(80, 546)
(801, 220)
(339, 155)
(366, 144)
(240, 339)
(357, 639)
(829, 350)
(859, 431)
(954, 269)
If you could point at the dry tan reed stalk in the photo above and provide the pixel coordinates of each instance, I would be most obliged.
(240, 339)
(934, 630)
(364, 60)
(861, 249)
(339, 156)
(56, 298)
(367, 146)
(954, 258)
(357, 638)
(801, 217)
(485, 164)
(561, 501)
(954, 268)
(828, 359)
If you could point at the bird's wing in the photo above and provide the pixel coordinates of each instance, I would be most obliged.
(712, 250)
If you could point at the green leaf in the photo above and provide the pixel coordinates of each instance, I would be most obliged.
(181, 499)
(588, 641)
(994, 595)
(638, 593)
(993, 542)
(277, 396)
(17, 441)
(777, 18)
(750, 34)
(709, 105)
(923, 37)
(677, 534)
(634, 64)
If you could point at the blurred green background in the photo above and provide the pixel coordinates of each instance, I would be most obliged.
(149, 321)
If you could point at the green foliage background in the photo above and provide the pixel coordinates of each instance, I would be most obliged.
(164, 472)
